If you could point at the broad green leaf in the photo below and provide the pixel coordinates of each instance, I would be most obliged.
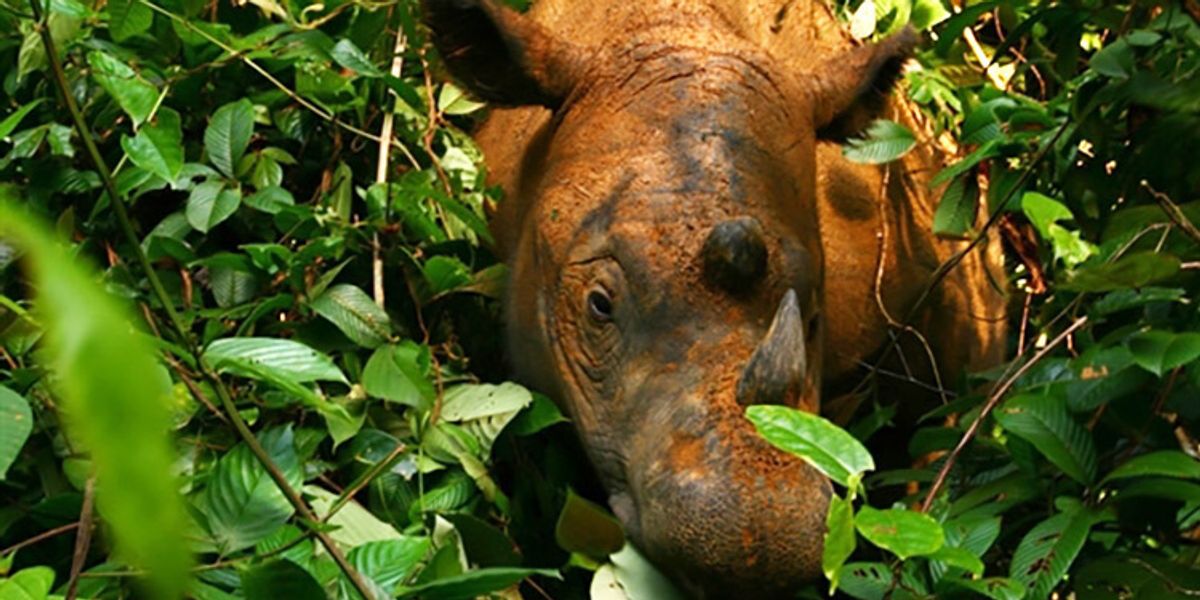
(959, 557)
(445, 273)
(866, 581)
(640, 578)
(158, 147)
(135, 96)
(13, 120)
(1045, 213)
(273, 359)
(902, 532)
(355, 314)
(280, 578)
(1137, 575)
(1047, 551)
(394, 373)
(825, 446)
(354, 524)
(390, 562)
(348, 55)
(1168, 463)
(839, 539)
(210, 204)
(472, 584)
(270, 200)
(540, 414)
(484, 410)
(1114, 60)
(587, 528)
(955, 214)
(127, 18)
(242, 502)
(1136, 270)
(33, 583)
(454, 101)
(116, 399)
(1159, 487)
(228, 134)
(1160, 351)
(996, 588)
(1043, 420)
(883, 142)
(16, 421)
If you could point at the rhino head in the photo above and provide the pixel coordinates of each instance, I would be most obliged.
(666, 268)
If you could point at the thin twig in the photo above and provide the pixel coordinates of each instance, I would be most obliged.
(41, 537)
(994, 398)
(83, 536)
(301, 508)
(1173, 212)
(384, 161)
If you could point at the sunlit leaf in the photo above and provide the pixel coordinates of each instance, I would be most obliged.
(839, 538)
(905, 533)
(883, 142)
(819, 442)
(355, 314)
(158, 147)
(228, 134)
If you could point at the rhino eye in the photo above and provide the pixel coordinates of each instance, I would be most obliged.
(599, 305)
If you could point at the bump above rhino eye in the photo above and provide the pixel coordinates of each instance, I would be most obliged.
(599, 305)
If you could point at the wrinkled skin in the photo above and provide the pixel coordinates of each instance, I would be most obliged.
(685, 239)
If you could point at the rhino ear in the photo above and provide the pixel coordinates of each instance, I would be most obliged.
(851, 89)
(500, 55)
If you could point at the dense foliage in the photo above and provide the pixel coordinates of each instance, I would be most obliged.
(295, 280)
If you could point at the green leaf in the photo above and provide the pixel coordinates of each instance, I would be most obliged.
(280, 579)
(471, 584)
(1162, 488)
(136, 97)
(127, 18)
(354, 525)
(825, 446)
(587, 528)
(883, 142)
(33, 583)
(10, 123)
(348, 55)
(355, 314)
(270, 200)
(1115, 60)
(640, 578)
(1135, 270)
(996, 588)
(242, 502)
(273, 359)
(16, 421)
(454, 101)
(1045, 213)
(228, 135)
(158, 147)
(539, 415)
(116, 399)
(1160, 351)
(1044, 421)
(955, 214)
(390, 562)
(210, 204)
(1047, 551)
(839, 539)
(866, 581)
(445, 273)
(394, 373)
(959, 557)
(902, 532)
(1168, 463)
(484, 410)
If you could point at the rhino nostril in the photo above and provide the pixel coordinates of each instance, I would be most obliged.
(735, 254)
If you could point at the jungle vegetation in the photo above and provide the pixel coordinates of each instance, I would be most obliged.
(249, 318)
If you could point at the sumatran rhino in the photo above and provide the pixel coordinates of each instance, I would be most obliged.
(685, 239)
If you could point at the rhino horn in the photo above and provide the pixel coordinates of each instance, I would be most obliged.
(778, 366)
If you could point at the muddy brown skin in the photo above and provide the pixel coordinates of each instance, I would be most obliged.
(685, 239)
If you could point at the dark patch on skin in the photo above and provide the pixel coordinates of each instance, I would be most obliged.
(600, 219)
